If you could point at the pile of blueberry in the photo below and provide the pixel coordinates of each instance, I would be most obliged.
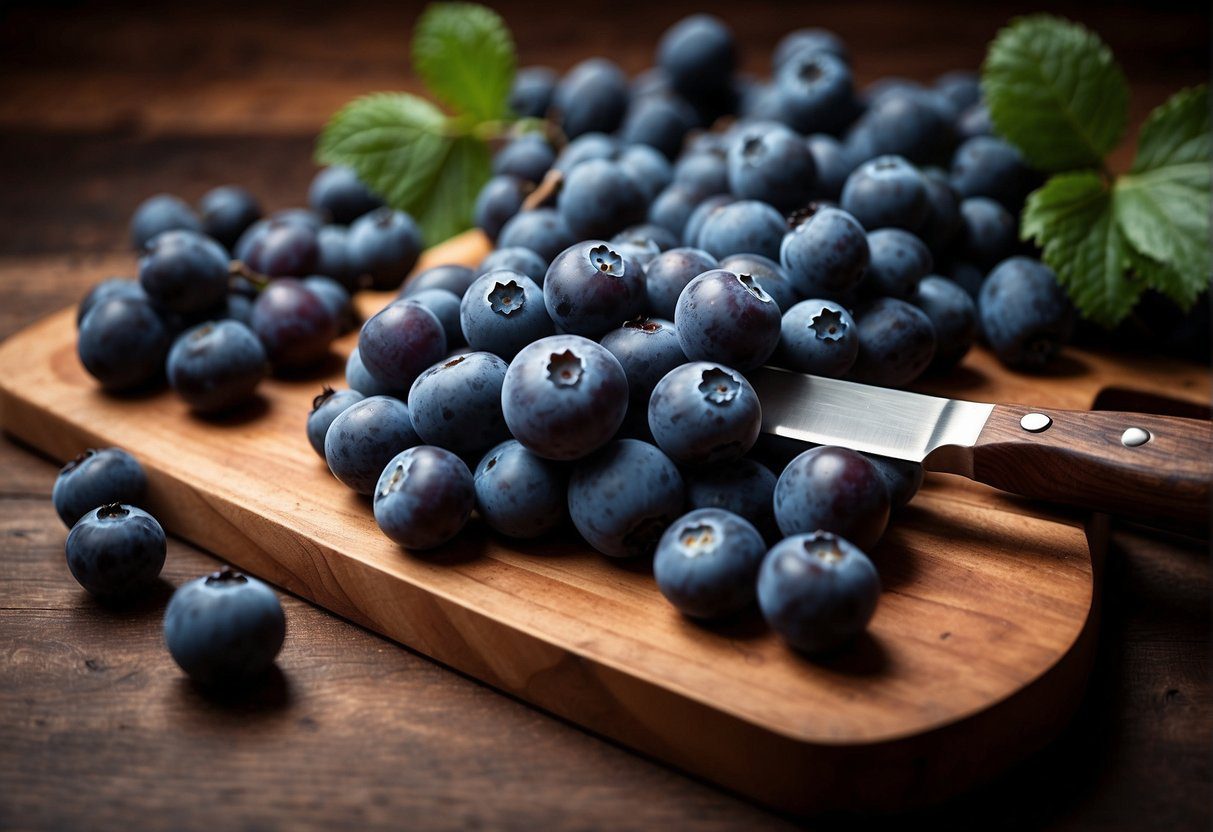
(691, 225)
(224, 629)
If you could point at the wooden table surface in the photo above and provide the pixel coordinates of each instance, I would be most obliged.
(98, 729)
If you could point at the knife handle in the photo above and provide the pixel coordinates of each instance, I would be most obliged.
(1144, 466)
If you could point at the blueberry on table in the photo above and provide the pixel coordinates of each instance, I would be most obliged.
(295, 326)
(901, 477)
(954, 316)
(647, 239)
(705, 173)
(217, 365)
(898, 261)
(808, 40)
(542, 230)
(834, 490)
(669, 273)
(590, 289)
(564, 397)
(647, 349)
(1025, 315)
(451, 276)
(942, 225)
(325, 408)
(743, 227)
(445, 306)
(910, 122)
(516, 259)
(766, 273)
(115, 550)
(622, 499)
(698, 54)
(94, 478)
(745, 488)
(122, 343)
(833, 165)
(599, 198)
(338, 194)
(975, 121)
(726, 317)
(990, 167)
(815, 92)
(818, 337)
(518, 493)
(826, 254)
(817, 591)
(424, 497)
(707, 563)
(531, 92)
(502, 312)
(226, 212)
(364, 437)
(456, 404)
(707, 207)
(385, 245)
(896, 343)
(359, 379)
(111, 287)
(594, 145)
(961, 87)
(333, 256)
(400, 341)
(591, 98)
(672, 208)
(160, 213)
(886, 192)
(281, 247)
(988, 233)
(704, 413)
(224, 629)
(336, 298)
(184, 272)
(660, 122)
(649, 171)
(499, 201)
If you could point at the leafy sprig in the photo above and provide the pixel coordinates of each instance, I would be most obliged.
(1056, 93)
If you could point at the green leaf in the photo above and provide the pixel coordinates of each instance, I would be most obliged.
(465, 55)
(1177, 132)
(1055, 92)
(1072, 219)
(409, 153)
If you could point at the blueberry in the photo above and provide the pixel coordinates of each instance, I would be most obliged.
(1025, 316)
(649, 171)
(599, 198)
(527, 157)
(96, 478)
(398, 343)
(961, 87)
(184, 272)
(703, 172)
(281, 247)
(216, 366)
(766, 273)
(743, 227)
(543, 231)
(953, 314)
(698, 55)
(647, 239)
(224, 629)
(424, 497)
(815, 92)
(942, 225)
(647, 349)
(988, 232)
(226, 212)
(518, 493)
(886, 192)
(338, 194)
(123, 343)
(295, 326)
(590, 288)
(817, 591)
(115, 550)
(898, 261)
(808, 40)
(358, 378)
(772, 164)
(384, 244)
(835, 490)
(297, 216)
(704, 413)
(975, 121)
(990, 167)
(502, 312)
(705, 209)
(584, 148)
(451, 276)
(722, 316)
(896, 343)
(901, 477)
(832, 163)
(336, 299)
(818, 337)
(707, 563)
(499, 201)
(659, 121)
(564, 397)
(445, 306)
(826, 255)
(112, 287)
(456, 404)
(669, 273)
(591, 98)
(364, 437)
(333, 256)
(743, 487)
(517, 259)
(158, 214)
(910, 123)
(671, 208)
(325, 408)
(622, 499)
(531, 92)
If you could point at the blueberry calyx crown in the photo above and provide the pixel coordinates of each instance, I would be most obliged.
(643, 323)
(802, 215)
(111, 511)
(459, 359)
(506, 298)
(606, 261)
(394, 482)
(565, 368)
(828, 325)
(823, 546)
(754, 288)
(719, 386)
(72, 465)
(326, 393)
(696, 539)
(226, 575)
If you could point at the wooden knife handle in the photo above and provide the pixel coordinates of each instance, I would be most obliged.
(1086, 458)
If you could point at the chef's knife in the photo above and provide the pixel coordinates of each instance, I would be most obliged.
(1134, 464)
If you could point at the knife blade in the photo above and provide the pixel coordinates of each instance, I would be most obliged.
(1140, 465)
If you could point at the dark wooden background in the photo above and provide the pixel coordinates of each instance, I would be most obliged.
(101, 106)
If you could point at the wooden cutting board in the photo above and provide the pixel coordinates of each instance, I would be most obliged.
(976, 657)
